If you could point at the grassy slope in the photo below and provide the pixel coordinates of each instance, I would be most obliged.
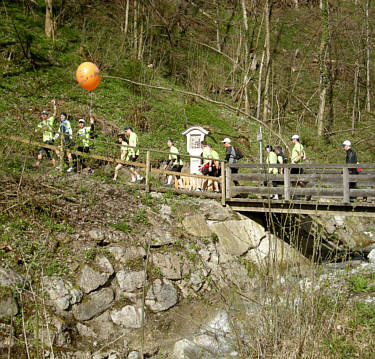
(25, 91)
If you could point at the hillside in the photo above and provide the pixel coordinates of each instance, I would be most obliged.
(177, 50)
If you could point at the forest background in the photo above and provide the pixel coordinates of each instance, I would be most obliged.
(289, 66)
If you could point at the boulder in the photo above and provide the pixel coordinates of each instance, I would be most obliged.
(161, 296)
(134, 355)
(10, 278)
(60, 293)
(103, 327)
(130, 281)
(185, 349)
(85, 331)
(196, 226)
(89, 279)
(371, 256)
(93, 304)
(273, 251)
(169, 264)
(104, 265)
(128, 317)
(8, 306)
(214, 211)
(123, 255)
(237, 237)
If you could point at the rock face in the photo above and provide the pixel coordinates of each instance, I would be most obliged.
(10, 278)
(237, 237)
(94, 304)
(89, 279)
(61, 294)
(170, 265)
(184, 349)
(196, 226)
(352, 232)
(273, 251)
(161, 296)
(130, 281)
(8, 306)
(128, 317)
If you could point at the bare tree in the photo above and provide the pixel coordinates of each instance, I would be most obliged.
(324, 76)
(368, 84)
(48, 26)
(267, 45)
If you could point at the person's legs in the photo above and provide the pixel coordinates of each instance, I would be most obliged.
(39, 158)
(117, 168)
(235, 171)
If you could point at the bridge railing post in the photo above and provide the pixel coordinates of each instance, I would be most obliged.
(228, 180)
(345, 184)
(223, 185)
(287, 184)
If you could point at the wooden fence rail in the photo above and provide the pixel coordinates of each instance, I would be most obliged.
(316, 182)
(322, 180)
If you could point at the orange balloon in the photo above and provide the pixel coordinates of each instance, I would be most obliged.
(88, 76)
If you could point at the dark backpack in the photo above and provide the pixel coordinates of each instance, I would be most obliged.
(238, 152)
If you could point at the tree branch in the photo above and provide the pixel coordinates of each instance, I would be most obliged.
(205, 98)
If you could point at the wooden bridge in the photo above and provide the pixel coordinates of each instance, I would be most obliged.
(330, 188)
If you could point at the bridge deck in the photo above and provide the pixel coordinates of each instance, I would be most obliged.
(362, 209)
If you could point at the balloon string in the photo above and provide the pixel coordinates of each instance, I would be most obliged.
(90, 102)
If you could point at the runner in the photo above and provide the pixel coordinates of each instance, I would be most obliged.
(230, 156)
(46, 127)
(133, 152)
(65, 130)
(175, 163)
(124, 154)
(83, 138)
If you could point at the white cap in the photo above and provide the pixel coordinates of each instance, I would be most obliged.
(295, 137)
(226, 140)
(81, 120)
(346, 143)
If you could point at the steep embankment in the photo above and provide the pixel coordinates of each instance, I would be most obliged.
(80, 258)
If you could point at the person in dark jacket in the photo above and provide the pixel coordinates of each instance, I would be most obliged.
(351, 158)
(230, 156)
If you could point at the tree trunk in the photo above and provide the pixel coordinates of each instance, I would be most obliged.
(217, 23)
(48, 26)
(355, 96)
(368, 84)
(135, 26)
(267, 43)
(140, 42)
(245, 78)
(324, 76)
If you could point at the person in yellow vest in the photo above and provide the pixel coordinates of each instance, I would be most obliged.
(46, 127)
(174, 164)
(124, 154)
(298, 157)
(84, 134)
(271, 159)
(133, 152)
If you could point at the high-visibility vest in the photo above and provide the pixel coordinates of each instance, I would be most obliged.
(84, 136)
(174, 156)
(47, 128)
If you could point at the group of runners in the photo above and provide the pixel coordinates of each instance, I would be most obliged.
(81, 139)
(210, 163)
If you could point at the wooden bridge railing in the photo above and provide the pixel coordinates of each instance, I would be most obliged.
(146, 166)
(322, 180)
